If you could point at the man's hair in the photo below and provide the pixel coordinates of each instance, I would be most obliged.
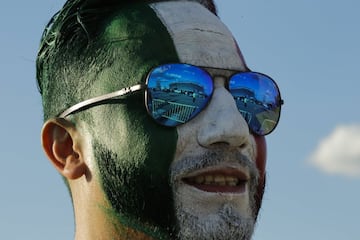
(66, 62)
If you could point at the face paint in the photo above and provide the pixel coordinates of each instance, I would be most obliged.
(200, 38)
(204, 211)
(133, 152)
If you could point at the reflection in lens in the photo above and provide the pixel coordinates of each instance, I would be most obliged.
(177, 92)
(258, 100)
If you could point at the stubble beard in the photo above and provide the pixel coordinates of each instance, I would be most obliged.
(227, 223)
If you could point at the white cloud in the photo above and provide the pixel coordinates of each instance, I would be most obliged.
(339, 153)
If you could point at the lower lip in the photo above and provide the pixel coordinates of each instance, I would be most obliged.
(241, 188)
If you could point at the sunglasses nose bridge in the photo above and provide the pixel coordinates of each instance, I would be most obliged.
(222, 122)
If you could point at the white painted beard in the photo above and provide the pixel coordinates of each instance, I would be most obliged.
(214, 216)
(226, 224)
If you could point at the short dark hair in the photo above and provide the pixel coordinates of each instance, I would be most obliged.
(65, 60)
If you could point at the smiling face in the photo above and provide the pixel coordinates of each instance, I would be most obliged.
(202, 175)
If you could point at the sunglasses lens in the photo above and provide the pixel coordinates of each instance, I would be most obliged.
(176, 93)
(258, 100)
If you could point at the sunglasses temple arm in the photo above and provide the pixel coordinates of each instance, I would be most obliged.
(97, 100)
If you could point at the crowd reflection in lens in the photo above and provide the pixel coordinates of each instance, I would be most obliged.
(257, 98)
(178, 92)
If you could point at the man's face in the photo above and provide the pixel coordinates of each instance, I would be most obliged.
(202, 176)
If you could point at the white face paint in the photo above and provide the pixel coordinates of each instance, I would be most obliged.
(214, 174)
(199, 36)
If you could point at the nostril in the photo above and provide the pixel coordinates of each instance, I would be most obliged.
(218, 145)
(243, 146)
(224, 143)
(227, 144)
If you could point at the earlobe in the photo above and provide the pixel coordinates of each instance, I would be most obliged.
(58, 136)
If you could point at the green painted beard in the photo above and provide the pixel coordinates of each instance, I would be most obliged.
(135, 177)
(136, 181)
(134, 172)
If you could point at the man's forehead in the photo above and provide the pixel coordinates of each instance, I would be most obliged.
(200, 38)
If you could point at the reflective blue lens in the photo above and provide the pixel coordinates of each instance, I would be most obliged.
(176, 93)
(258, 100)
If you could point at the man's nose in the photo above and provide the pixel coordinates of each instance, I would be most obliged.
(222, 122)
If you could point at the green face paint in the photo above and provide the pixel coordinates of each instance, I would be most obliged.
(133, 153)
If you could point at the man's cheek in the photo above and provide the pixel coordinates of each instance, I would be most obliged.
(138, 177)
(154, 173)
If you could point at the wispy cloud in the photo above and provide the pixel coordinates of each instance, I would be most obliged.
(339, 153)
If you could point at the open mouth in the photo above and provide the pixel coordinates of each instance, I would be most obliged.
(223, 181)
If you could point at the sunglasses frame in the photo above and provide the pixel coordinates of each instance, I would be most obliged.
(211, 71)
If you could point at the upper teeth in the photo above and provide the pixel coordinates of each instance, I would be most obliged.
(219, 180)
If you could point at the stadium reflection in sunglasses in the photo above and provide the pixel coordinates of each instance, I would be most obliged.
(175, 93)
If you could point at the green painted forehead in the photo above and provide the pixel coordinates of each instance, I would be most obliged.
(135, 40)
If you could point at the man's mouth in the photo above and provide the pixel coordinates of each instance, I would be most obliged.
(222, 181)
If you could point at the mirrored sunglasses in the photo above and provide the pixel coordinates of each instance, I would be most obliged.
(175, 93)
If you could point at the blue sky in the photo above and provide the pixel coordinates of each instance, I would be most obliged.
(311, 48)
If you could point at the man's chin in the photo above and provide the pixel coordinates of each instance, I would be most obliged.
(226, 224)
(203, 214)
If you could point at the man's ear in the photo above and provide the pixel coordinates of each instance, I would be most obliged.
(59, 140)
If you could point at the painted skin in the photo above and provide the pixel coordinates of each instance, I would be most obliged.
(139, 144)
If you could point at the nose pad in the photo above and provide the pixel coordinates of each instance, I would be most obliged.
(222, 122)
